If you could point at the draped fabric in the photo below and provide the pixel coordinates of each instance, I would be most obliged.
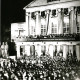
(60, 21)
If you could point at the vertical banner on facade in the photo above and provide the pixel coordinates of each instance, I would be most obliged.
(73, 18)
(47, 12)
(38, 23)
(60, 21)
(49, 25)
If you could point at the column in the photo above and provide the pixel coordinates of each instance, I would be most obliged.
(51, 50)
(49, 26)
(38, 23)
(58, 48)
(18, 51)
(78, 52)
(47, 12)
(29, 30)
(27, 24)
(47, 48)
(27, 50)
(39, 50)
(72, 21)
(60, 21)
(65, 51)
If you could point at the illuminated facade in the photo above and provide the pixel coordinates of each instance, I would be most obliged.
(51, 26)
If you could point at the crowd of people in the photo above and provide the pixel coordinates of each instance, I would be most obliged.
(4, 49)
(39, 68)
(34, 67)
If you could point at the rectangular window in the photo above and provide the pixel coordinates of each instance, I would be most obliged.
(54, 28)
(33, 15)
(43, 29)
(66, 12)
(43, 14)
(78, 10)
(54, 13)
(66, 28)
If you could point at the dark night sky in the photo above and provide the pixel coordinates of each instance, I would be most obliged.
(11, 12)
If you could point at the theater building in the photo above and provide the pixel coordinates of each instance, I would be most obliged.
(51, 27)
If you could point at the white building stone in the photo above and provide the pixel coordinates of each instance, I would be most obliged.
(51, 26)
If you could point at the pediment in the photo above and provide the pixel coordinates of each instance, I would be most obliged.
(36, 3)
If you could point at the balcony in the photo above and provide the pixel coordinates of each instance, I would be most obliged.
(51, 37)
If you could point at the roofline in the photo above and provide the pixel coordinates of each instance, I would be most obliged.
(18, 22)
(46, 4)
(29, 4)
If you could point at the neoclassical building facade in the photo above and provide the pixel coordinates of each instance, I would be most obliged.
(50, 27)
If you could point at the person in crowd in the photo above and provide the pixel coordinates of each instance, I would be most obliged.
(3, 49)
(0, 52)
(50, 69)
(6, 49)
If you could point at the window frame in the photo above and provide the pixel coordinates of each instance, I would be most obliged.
(53, 28)
(43, 29)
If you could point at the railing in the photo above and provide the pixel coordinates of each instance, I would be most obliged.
(51, 37)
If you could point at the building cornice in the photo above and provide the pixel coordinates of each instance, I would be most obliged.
(50, 3)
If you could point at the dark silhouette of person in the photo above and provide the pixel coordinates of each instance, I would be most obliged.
(12, 48)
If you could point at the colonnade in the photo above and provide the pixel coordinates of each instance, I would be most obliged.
(50, 49)
(48, 14)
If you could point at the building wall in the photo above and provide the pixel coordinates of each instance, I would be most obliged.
(53, 6)
(18, 29)
(50, 48)
(34, 26)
